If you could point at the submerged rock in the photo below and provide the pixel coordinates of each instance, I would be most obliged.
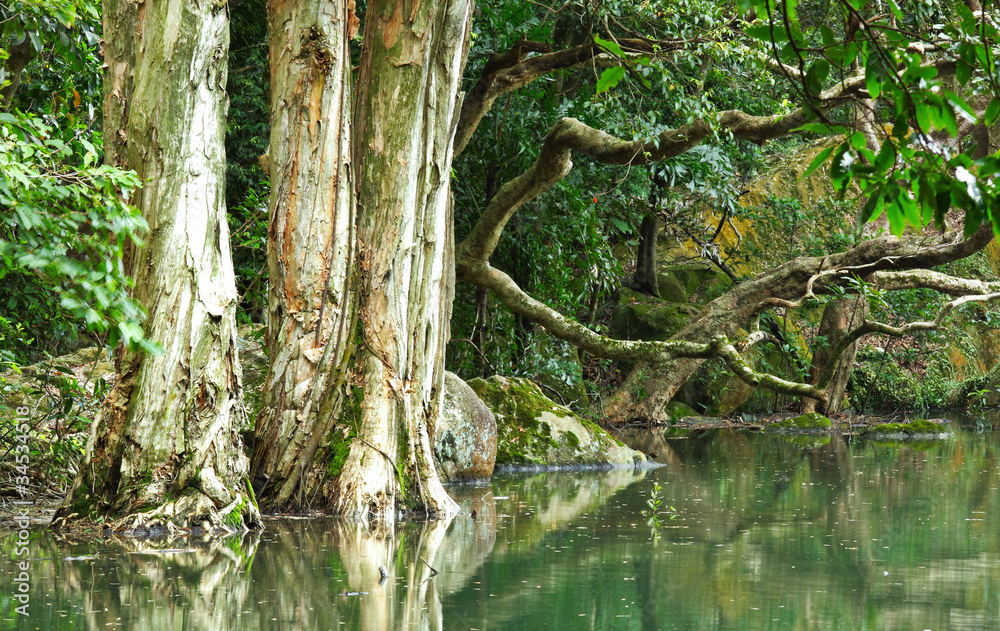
(465, 437)
(532, 430)
(921, 428)
(803, 423)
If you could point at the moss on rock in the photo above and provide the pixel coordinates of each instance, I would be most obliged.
(678, 410)
(804, 422)
(640, 317)
(920, 427)
(532, 430)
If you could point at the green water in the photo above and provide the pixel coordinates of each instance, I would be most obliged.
(767, 533)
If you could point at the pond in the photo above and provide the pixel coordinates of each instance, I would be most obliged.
(753, 532)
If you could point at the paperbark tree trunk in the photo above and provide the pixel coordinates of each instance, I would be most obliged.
(406, 113)
(165, 450)
(310, 251)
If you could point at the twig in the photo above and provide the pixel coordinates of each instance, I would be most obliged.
(433, 571)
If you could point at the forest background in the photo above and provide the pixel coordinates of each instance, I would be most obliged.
(757, 187)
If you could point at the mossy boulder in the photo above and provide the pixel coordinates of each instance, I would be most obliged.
(701, 281)
(464, 440)
(641, 317)
(920, 428)
(671, 289)
(678, 410)
(532, 430)
(811, 422)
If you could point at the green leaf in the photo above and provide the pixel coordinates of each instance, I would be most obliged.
(896, 12)
(763, 32)
(873, 208)
(886, 157)
(943, 203)
(909, 207)
(873, 76)
(609, 46)
(610, 78)
(858, 140)
(897, 222)
(816, 75)
(948, 119)
(923, 115)
(992, 112)
(963, 69)
(817, 161)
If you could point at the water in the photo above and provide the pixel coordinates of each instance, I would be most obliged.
(768, 533)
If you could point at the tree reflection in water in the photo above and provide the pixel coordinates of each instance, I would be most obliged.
(772, 532)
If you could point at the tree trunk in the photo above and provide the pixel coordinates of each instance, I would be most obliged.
(165, 450)
(839, 317)
(645, 261)
(18, 56)
(405, 116)
(651, 385)
(310, 251)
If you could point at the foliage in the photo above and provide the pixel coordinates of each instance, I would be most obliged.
(61, 410)
(64, 81)
(64, 227)
(570, 248)
(915, 175)
(247, 138)
(64, 219)
(654, 509)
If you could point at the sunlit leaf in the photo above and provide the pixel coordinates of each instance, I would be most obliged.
(610, 78)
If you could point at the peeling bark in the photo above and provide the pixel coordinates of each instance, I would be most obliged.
(165, 449)
(310, 252)
(406, 113)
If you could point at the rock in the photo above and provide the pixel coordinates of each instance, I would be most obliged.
(678, 410)
(532, 430)
(700, 281)
(639, 317)
(465, 438)
(920, 428)
(670, 288)
(803, 423)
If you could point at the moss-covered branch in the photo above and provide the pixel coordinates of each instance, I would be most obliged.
(568, 329)
(869, 327)
(928, 279)
(721, 347)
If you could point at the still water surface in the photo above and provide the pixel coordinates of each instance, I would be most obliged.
(767, 533)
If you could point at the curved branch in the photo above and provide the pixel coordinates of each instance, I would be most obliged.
(569, 134)
(511, 71)
(870, 328)
(480, 273)
(721, 347)
(927, 279)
